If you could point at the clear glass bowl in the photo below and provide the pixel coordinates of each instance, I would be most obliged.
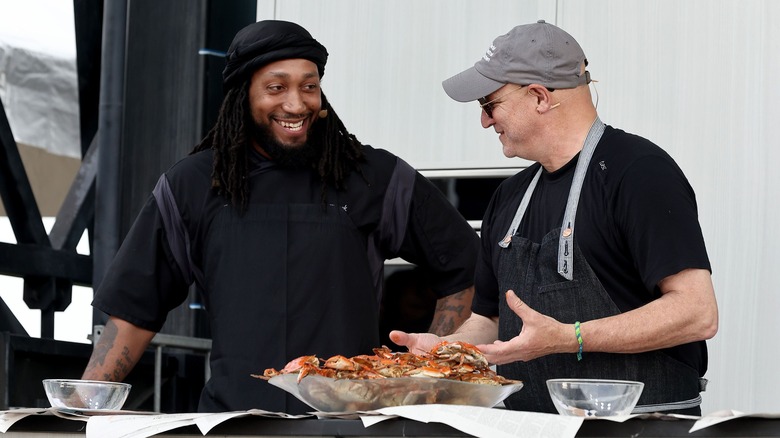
(86, 395)
(594, 397)
(350, 395)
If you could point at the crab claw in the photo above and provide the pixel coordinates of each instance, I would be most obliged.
(341, 363)
(296, 364)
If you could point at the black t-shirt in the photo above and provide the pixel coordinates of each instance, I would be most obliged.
(291, 276)
(636, 224)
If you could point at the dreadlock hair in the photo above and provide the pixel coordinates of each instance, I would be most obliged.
(228, 139)
(340, 152)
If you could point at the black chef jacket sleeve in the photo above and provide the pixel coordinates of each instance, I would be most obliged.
(143, 282)
(439, 240)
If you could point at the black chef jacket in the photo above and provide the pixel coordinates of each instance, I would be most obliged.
(291, 276)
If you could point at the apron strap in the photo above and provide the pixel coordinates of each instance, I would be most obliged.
(504, 243)
(566, 239)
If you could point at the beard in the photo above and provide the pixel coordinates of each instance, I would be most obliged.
(296, 157)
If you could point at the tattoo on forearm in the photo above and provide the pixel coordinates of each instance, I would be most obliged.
(451, 312)
(442, 326)
(445, 321)
(123, 365)
(102, 347)
(98, 367)
(105, 343)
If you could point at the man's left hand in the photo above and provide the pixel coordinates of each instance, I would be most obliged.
(541, 335)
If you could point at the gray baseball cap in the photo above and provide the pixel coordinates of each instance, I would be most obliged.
(538, 53)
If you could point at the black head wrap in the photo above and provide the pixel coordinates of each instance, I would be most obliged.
(267, 41)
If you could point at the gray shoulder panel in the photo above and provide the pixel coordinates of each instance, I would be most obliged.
(175, 231)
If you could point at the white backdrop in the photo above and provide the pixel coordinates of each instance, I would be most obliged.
(386, 64)
(697, 77)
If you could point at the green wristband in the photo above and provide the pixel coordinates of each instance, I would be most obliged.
(579, 339)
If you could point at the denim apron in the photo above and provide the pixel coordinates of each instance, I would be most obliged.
(554, 279)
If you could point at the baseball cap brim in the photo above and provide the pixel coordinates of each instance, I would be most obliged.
(469, 85)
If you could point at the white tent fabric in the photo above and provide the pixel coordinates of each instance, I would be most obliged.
(38, 78)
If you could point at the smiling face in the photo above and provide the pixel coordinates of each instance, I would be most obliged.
(285, 98)
(512, 117)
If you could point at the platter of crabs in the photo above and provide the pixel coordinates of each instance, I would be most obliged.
(450, 373)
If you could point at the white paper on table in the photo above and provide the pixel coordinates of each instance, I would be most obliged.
(8, 418)
(490, 422)
(725, 415)
(371, 419)
(137, 426)
(209, 421)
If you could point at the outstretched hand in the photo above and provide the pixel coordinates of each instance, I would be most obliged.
(541, 335)
(416, 343)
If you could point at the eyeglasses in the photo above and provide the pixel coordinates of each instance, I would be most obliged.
(489, 105)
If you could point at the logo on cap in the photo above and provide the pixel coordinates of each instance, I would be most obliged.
(489, 53)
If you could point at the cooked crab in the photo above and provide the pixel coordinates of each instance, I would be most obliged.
(447, 360)
(460, 353)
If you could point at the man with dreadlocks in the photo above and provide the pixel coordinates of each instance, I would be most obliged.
(283, 220)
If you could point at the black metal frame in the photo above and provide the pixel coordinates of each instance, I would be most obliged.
(103, 200)
(49, 263)
(49, 271)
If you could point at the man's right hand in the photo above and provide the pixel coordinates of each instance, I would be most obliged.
(416, 343)
(477, 329)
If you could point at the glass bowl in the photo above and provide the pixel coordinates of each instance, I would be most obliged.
(86, 395)
(594, 397)
(350, 395)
